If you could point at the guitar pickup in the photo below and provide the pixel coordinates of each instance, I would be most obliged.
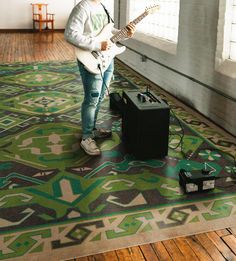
(95, 54)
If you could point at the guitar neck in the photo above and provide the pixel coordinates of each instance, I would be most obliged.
(123, 32)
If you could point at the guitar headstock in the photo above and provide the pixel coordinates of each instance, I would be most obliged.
(152, 9)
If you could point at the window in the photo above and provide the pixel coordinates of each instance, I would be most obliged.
(164, 23)
(232, 52)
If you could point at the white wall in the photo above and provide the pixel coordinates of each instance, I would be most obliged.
(17, 14)
(190, 73)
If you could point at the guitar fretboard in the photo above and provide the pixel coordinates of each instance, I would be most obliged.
(123, 32)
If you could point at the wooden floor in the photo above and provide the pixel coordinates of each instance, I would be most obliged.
(217, 245)
(28, 47)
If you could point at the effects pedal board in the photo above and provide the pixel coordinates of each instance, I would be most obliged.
(196, 180)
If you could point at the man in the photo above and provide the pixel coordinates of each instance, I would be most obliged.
(86, 21)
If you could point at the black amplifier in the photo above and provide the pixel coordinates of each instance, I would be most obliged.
(145, 124)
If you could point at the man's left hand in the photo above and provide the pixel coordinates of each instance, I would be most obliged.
(131, 29)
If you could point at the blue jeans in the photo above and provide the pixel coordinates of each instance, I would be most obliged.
(94, 91)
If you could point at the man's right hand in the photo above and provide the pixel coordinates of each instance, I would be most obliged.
(106, 45)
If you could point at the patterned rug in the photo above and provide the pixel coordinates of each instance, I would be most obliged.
(58, 203)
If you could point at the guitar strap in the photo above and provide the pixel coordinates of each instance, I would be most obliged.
(108, 15)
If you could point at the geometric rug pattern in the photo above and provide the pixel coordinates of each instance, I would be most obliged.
(57, 203)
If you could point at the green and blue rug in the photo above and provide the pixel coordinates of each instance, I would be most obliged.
(58, 203)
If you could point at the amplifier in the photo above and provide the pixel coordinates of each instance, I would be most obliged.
(145, 124)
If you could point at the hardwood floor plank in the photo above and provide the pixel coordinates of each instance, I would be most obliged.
(223, 248)
(184, 247)
(98, 257)
(111, 255)
(123, 254)
(173, 250)
(149, 253)
(2, 46)
(233, 230)
(107, 256)
(230, 240)
(136, 253)
(198, 249)
(8, 50)
(161, 251)
(223, 232)
(209, 247)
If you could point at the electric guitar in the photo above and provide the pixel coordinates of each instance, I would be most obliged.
(97, 62)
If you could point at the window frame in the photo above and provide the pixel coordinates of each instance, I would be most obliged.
(233, 23)
(223, 63)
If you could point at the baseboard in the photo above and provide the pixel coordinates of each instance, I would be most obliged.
(26, 30)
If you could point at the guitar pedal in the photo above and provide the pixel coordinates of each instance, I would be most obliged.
(196, 180)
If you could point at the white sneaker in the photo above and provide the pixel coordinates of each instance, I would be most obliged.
(90, 147)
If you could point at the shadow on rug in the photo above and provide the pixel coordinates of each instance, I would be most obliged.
(58, 203)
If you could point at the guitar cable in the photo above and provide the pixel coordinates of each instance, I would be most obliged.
(103, 81)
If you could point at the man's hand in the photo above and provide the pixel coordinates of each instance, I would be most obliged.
(131, 28)
(106, 45)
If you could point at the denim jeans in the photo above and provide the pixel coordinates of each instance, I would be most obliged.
(94, 91)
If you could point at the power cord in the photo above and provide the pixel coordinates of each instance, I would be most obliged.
(181, 135)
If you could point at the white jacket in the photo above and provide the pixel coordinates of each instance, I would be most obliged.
(86, 20)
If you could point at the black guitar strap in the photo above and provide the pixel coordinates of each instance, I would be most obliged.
(108, 15)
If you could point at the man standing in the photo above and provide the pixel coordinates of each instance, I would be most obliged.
(85, 22)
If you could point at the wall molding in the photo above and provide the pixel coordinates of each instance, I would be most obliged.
(28, 31)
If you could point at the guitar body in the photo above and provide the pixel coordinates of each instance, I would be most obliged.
(93, 60)
(98, 61)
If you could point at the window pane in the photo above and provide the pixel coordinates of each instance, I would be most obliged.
(233, 33)
(233, 51)
(232, 54)
(163, 23)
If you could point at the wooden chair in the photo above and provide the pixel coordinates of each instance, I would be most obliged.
(42, 17)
